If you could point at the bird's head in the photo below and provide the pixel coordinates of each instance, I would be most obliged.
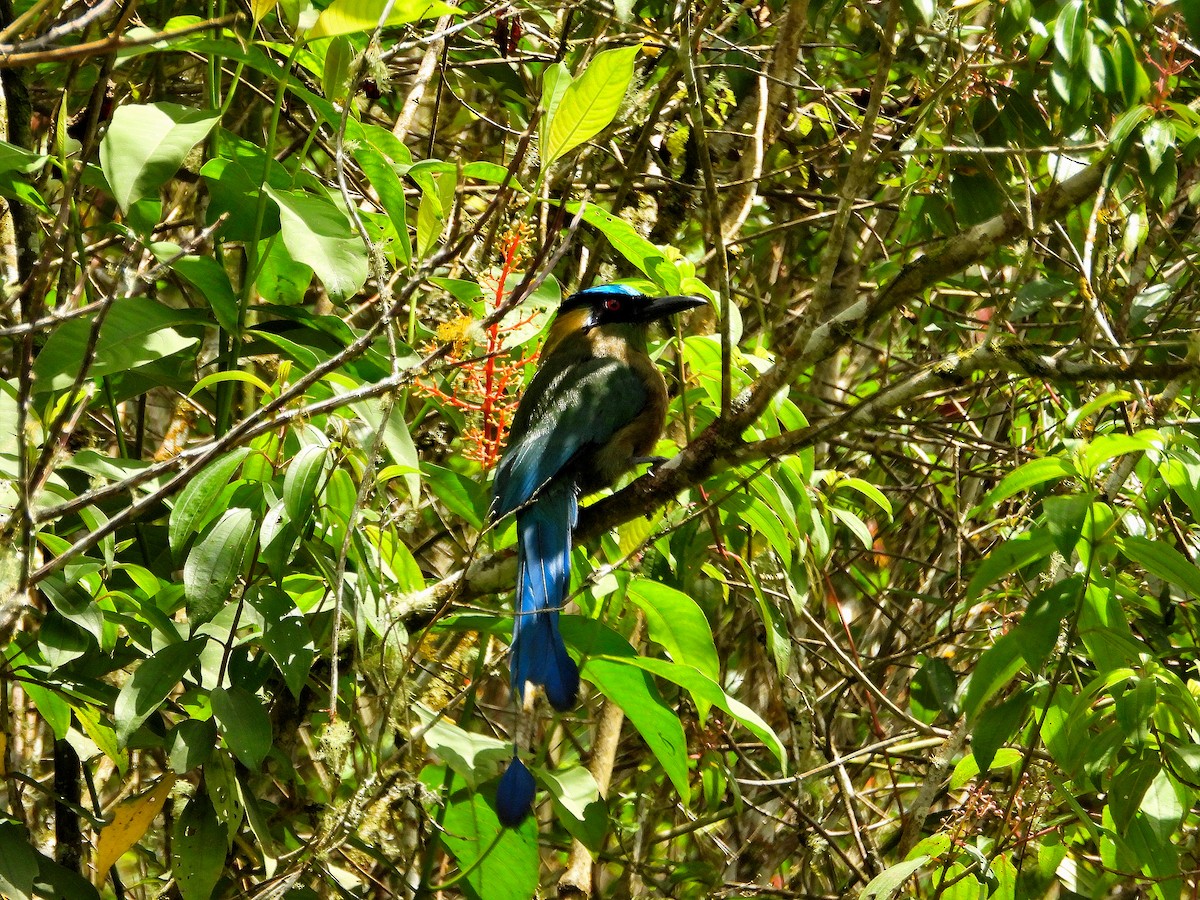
(614, 309)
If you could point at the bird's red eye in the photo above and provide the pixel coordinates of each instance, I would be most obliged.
(612, 304)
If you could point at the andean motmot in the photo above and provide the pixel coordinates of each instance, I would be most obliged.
(595, 407)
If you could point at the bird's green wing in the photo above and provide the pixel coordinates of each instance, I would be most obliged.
(562, 413)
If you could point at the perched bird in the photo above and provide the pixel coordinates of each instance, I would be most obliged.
(595, 408)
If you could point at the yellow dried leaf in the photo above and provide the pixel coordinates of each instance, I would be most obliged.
(129, 823)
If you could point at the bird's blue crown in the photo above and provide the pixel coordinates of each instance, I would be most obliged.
(588, 295)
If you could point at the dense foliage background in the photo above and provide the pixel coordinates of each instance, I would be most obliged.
(913, 607)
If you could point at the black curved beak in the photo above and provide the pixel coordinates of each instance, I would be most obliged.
(661, 307)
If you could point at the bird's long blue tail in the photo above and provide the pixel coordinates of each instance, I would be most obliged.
(544, 575)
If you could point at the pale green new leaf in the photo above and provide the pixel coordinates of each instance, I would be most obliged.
(589, 103)
(889, 880)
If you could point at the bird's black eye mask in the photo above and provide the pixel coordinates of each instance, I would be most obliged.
(612, 310)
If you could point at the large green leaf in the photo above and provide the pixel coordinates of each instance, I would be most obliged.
(1021, 551)
(589, 103)
(705, 689)
(302, 481)
(198, 850)
(676, 621)
(194, 506)
(1163, 561)
(18, 862)
(215, 563)
(475, 757)
(146, 144)
(244, 724)
(998, 665)
(502, 862)
(286, 636)
(320, 235)
(889, 880)
(206, 276)
(351, 16)
(137, 331)
(150, 684)
(577, 800)
(607, 666)
(1022, 478)
(622, 236)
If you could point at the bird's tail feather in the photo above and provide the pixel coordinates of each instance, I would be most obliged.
(544, 558)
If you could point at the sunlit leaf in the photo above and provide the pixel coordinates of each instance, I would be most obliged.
(589, 103)
(146, 144)
(350, 16)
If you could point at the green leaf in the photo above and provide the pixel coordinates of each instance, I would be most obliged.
(53, 708)
(194, 507)
(1069, 31)
(509, 870)
(151, 683)
(215, 562)
(18, 862)
(589, 103)
(556, 78)
(677, 622)
(996, 727)
(62, 641)
(286, 636)
(302, 480)
(18, 159)
(396, 438)
(867, 489)
(971, 765)
(318, 234)
(136, 332)
(475, 757)
(463, 496)
(934, 687)
(1011, 555)
(1064, 520)
(146, 144)
(206, 276)
(233, 187)
(1158, 138)
(622, 236)
(55, 882)
(1032, 473)
(74, 603)
(1129, 785)
(889, 880)
(336, 73)
(191, 744)
(577, 800)
(998, 665)
(198, 849)
(352, 16)
(607, 665)
(1163, 561)
(386, 182)
(244, 724)
(1037, 632)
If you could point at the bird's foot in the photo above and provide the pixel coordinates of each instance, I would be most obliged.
(652, 461)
